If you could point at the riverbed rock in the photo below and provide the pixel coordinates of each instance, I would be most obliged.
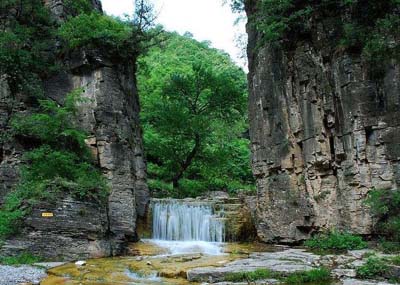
(285, 262)
(12, 275)
(323, 132)
(341, 273)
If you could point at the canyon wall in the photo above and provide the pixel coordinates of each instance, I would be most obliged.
(110, 116)
(323, 134)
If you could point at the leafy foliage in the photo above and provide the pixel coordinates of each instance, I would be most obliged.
(336, 241)
(127, 38)
(23, 258)
(193, 104)
(395, 260)
(385, 205)
(76, 7)
(95, 30)
(389, 246)
(25, 40)
(373, 268)
(367, 27)
(59, 162)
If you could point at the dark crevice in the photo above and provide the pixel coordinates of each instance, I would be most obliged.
(332, 145)
(368, 133)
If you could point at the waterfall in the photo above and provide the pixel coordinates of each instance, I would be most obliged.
(180, 220)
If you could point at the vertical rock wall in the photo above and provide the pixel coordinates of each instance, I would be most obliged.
(323, 134)
(110, 116)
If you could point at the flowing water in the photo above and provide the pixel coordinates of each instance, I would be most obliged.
(186, 235)
(187, 227)
(186, 221)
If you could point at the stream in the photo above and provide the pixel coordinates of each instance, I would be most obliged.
(188, 247)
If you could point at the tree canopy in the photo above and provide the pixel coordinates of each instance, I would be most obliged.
(194, 104)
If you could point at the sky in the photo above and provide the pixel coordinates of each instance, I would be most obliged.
(207, 20)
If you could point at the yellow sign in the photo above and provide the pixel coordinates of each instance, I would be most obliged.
(47, 215)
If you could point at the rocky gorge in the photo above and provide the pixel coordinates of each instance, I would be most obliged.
(324, 134)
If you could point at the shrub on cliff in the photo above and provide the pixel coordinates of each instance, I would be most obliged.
(336, 241)
(126, 38)
(369, 28)
(95, 30)
(26, 38)
(385, 205)
(59, 162)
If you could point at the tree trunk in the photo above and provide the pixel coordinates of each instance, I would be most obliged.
(188, 161)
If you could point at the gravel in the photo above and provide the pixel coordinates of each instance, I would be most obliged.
(12, 275)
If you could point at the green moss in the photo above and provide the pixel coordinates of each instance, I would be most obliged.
(336, 241)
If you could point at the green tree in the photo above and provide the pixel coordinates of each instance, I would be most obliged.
(193, 111)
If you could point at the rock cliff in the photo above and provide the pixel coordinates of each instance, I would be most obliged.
(323, 134)
(110, 117)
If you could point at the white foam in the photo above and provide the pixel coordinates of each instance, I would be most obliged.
(188, 247)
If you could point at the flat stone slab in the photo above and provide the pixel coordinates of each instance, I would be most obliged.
(285, 262)
(12, 275)
(49, 265)
(365, 282)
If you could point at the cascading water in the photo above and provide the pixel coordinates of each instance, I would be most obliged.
(187, 226)
(183, 221)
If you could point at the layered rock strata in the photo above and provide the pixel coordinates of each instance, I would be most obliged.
(110, 117)
(323, 134)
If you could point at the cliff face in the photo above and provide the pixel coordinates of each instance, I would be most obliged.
(110, 117)
(323, 134)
